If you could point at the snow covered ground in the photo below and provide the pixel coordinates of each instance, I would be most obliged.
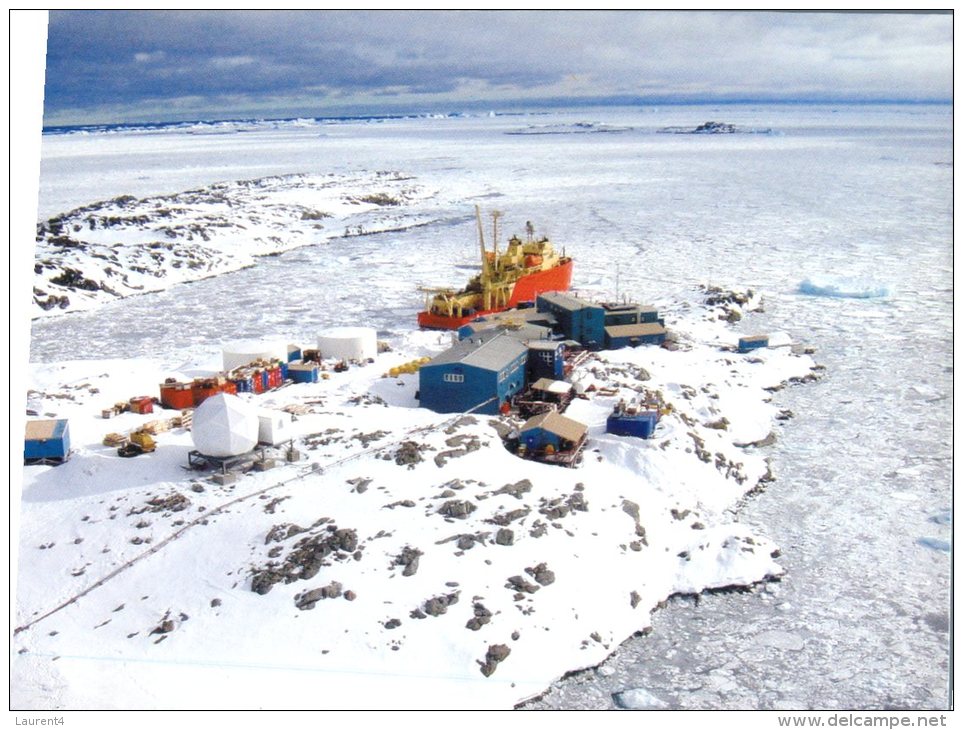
(557, 565)
(829, 197)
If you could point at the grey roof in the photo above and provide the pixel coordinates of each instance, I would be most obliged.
(544, 345)
(491, 352)
(528, 315)
(566, 301)
(523, 332)
(618, 307)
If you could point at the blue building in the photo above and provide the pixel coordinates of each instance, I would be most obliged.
(47, 440)
(546, 359)
(552, 437)
(630, 313)
(628, 422)
(578, 319)
(523, 324)
(477, 374)
(632, 335)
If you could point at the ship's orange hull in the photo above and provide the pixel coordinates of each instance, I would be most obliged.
(526, 289)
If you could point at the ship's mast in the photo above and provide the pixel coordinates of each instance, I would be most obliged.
(496, 214)
(486, 277)
(481, 244)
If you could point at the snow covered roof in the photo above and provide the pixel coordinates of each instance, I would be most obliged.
(551, 386)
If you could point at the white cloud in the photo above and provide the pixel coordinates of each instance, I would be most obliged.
(153, 57)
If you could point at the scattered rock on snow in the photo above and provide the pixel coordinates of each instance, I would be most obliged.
(409, 558)
(459, 509)
(496, 654)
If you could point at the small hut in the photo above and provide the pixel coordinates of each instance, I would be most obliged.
(553, 438)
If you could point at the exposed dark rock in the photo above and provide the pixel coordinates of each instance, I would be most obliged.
(409, 557)
(506, 518)
(408, 454)
(482, 616)
(542, 575)
(307, 600)
(459, 509)
(172, 503)
(164, 627)
(306, 558)
(517, 489)
(282, 532)
(400, 503)
(438, 605)
(518, 583)
(505, 537)
(496, 654)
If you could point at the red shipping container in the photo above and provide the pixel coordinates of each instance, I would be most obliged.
(176, 395)
(142, 404)
(203, 389)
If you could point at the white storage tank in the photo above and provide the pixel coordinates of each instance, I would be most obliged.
(242, 352)
(274, 427)
(224, 425)
(348, 343)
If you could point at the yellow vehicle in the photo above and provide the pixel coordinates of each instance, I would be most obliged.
(139, 442)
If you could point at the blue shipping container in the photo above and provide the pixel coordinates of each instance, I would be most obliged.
(47, 440)
(753, 342)
(641, 425)
(303, 373)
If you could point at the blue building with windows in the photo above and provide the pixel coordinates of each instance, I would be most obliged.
(609, 325)
(478, 374)
(546, 359)
(578, 319)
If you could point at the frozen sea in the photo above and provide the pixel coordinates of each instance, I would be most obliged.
(841, 216)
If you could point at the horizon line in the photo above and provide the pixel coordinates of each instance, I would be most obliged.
(505, 107)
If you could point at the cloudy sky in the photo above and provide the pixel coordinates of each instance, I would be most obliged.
(129, 66)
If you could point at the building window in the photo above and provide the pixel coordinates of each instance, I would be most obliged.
(453, 378)
(547, 357)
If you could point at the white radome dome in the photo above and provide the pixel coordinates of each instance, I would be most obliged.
(224, 425)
